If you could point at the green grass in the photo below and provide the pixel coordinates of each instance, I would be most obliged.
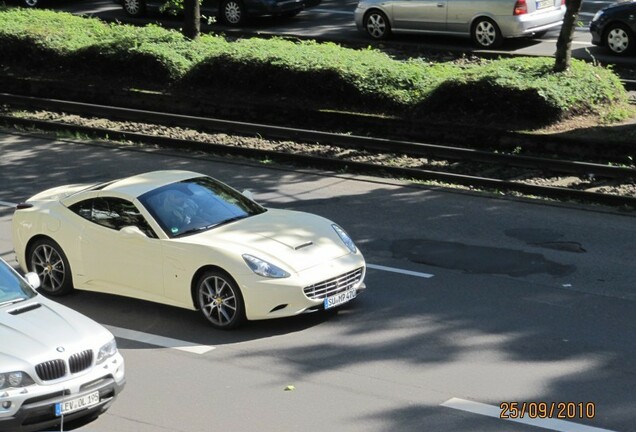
(315, 74)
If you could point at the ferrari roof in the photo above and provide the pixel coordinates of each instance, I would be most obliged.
(141, 183)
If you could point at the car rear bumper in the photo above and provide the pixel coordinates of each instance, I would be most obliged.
(525, 25)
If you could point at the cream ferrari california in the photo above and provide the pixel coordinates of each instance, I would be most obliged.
(187, 240)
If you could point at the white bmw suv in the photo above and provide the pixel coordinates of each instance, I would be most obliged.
(56, 365)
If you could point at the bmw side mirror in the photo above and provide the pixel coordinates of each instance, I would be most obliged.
(248, 194)
(33, 279)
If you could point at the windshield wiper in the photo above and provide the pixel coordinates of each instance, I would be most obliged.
(207, 227)
(14, 301)
(195, 230)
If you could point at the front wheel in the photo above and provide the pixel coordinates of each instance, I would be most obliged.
(486, 34)
(220, 300)
(377, 25)
(619, 39)
(134, 8)
(232, 12)
(47, 259)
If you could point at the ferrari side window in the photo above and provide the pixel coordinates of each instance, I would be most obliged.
(118, 213)
(83, 208)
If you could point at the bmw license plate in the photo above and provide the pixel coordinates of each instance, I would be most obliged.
(77, 404)
(340, 298)
(542, 4)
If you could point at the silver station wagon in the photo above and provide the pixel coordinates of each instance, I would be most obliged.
(487, 22)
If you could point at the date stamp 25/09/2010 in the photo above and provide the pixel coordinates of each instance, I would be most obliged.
(547, 410)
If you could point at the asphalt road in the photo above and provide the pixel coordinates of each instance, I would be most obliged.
(333, 20)
(507, 300)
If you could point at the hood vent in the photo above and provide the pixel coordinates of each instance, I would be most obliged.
(24, 309)
(303, 245)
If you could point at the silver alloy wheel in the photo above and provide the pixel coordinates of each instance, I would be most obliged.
(133, 7)
(47, 262)
(485, 33)
(618, 40)
(30, 3)
(233, 12)
(376, 25)
(218, 301)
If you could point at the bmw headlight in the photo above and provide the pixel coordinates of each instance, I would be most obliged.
(264, 268)
(15, 379)
(107, 351)
(345, 238)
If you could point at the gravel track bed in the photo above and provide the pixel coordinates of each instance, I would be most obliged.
(524, 175)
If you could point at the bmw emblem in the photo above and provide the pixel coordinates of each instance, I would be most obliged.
(59, 349)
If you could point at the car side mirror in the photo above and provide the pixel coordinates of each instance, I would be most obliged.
(132, 231)
(248, 194)
(33, 279)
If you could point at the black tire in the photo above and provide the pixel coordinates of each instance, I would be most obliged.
(134, 8)
(220, 300)
(47, 259)
(619, 39)
(232, 12)
(30, 3)
(291, 14)
(486, 34)
(377, 25)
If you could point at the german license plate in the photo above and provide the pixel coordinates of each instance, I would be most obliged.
(542, 4)
(340, 298)
(77, 404)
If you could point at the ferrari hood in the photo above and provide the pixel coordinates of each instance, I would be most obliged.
(296, 240)
(32, 331)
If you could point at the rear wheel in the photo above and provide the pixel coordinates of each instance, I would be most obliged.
(377, 25)
(486, 34)
(134, 8)
(232, 12)
(220, 300)
(47, 259)
(619, 39)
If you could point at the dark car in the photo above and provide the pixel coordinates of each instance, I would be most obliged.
(615, 27)
(230, 12)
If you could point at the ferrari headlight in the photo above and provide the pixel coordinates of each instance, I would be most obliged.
(263, 268)
(345, 238)
(107, 351)
(15, 379)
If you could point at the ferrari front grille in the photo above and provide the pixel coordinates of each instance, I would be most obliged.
(335, 285)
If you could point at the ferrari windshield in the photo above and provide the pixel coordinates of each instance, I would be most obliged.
(12, 288)
(197, 204)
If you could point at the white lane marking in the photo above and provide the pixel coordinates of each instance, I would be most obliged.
(159, 340)
(494, 411)
(397, 270)
(7, 204)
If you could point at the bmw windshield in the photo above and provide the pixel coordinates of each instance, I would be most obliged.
(12, 288)
(196, 205)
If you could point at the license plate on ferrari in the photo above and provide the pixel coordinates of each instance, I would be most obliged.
(542, 4)
(77, 404)
(340, 298)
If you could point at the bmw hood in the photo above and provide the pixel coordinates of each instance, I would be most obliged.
(294, 239)
(34, 331)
